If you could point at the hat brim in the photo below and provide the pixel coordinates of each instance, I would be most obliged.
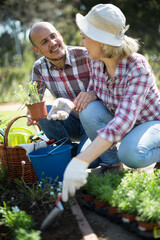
(95, 33)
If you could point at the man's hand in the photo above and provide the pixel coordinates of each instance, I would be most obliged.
(83, 99)
(30, 121)
(75, 176)
(61, 109)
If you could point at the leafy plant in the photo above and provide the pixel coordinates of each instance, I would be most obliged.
(110, 183)
(128, 194)
(44, 192)
(148, 209)
(28, 95)
(93, 183)
(15, 218)
(19, 222)
(22, 233)
(4, 123)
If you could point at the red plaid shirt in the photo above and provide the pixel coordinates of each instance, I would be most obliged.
(67, 82)
(131, 95)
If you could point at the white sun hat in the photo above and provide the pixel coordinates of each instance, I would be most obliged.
(104, 23)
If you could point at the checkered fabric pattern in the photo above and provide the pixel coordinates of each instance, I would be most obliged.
(66, 82)
(131, 95)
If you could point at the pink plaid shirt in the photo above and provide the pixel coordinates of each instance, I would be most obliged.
(67, 82)
(131, 95)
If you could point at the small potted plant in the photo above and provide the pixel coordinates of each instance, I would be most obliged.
(148, 209)
(129, 194)
(98, 189)
(109, 184)
(89, 187)
(32, 99)
(112, 181)
(148, 214)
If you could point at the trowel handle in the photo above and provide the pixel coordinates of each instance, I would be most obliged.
(50, 141)
(59, 199)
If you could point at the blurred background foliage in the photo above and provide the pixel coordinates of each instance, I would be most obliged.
(17, 17)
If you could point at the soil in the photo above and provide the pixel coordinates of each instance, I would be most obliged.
(64, 227)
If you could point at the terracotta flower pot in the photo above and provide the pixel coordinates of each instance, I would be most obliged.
(99, 204)
(147, 227)
(112, 210)
(128, 218)
(88, 197)
(37, 111)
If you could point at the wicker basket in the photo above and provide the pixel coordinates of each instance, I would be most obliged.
(12, 157)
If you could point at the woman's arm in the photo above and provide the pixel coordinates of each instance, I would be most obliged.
(95, 149)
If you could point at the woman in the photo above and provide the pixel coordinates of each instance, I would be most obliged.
(129, 108)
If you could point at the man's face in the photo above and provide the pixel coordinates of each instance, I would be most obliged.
(48, 42)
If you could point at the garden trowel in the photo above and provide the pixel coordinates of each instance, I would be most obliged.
(56, 211)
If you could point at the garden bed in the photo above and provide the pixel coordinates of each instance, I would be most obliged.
(65, 227)
(38, 206)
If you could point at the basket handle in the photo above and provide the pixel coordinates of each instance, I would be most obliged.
(8, 128)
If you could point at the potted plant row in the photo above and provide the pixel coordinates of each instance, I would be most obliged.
(133, 194)
(30, 97)
(127, 195)
(102, 188)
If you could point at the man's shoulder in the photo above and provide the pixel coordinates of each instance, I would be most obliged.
(40, 62)
(77, 51)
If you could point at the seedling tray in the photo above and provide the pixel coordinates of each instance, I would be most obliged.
(132, 227)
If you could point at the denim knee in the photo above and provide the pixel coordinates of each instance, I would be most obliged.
(134, 156)
(83, 115)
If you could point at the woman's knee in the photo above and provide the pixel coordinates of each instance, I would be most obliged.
(95, 112)
(87, 114)
(133, 156)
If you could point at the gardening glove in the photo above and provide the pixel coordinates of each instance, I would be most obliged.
(36, 145)
(61, 109)
(33, 146)
(75, 176)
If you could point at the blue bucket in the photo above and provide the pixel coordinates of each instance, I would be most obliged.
(50, 162)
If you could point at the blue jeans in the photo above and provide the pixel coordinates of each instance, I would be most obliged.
(59, 129)
(139, 148)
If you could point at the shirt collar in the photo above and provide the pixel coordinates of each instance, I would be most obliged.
(118, 73)
(121, 65)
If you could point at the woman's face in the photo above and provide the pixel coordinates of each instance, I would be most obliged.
(94, 48)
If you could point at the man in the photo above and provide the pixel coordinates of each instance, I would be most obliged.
(64, 71)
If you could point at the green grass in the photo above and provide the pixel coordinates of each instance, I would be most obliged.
(7, 116)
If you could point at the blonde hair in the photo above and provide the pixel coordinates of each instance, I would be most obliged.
(129, 46)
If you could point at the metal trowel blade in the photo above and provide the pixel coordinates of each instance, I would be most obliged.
(50, 218)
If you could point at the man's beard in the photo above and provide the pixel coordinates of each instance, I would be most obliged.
(57, 59)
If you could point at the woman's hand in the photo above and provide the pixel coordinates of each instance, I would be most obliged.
(83, 99)
(75, 176)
